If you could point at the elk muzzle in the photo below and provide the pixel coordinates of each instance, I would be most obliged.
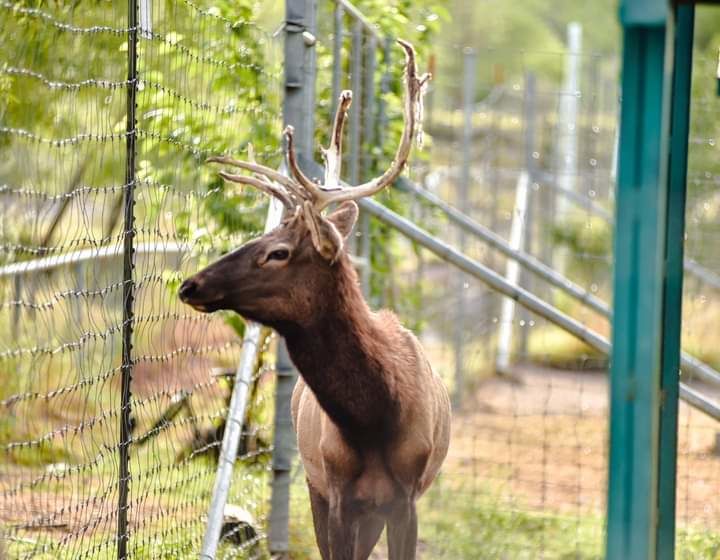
(194, 292)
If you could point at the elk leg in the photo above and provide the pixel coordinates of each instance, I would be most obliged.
(402, 532)
(320, 513)
(342, 530)
(370, 528)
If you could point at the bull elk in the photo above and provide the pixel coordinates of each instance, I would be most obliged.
(372, 418)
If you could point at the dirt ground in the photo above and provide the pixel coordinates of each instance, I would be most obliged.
(542, 439)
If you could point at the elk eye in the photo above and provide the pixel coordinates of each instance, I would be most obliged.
(278, 255)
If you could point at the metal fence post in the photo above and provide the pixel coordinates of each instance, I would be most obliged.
(647, 286)
(283, 453)
(338, 32)
(128, 287)
(672, 304)
(367, 159)
(469, 59)
(526, 279)
(298, 111)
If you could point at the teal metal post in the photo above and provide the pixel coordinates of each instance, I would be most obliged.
(646, 311)
(672, 316)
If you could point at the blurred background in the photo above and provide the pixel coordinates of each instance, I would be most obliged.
(518, 165)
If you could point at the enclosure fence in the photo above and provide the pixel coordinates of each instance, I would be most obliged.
(113, 394)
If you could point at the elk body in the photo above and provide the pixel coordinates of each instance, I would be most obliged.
(371, 416)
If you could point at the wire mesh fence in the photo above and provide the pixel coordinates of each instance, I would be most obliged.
(108, 112)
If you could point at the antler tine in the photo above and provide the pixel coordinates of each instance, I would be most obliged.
(271, 174)
(314, 190)
(264, 186)
(333, 154)
(414, 90)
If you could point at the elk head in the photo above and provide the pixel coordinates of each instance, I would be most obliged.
(289, 274)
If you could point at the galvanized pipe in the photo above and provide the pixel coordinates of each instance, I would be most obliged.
(234, 422)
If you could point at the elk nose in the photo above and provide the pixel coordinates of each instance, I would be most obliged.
(187, 289)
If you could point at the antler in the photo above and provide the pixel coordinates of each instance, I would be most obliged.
(300, 189)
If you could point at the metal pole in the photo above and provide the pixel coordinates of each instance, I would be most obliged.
(567, 155)
(468, 94)
(673, 290)
(356, 86)
(338, 32)
(525, 279)
(283, 454)
(367, 161)
(126, 368)
(640, 340)
(17, 291)
(298, 111)
(512, 275)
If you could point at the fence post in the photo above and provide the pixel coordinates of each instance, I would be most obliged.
(567, 154)
(337, 54)
(526, 279)
(128, 286)
(283, 452)
(648, 280)
(366, 164)
(672, 303)
(298, 111)
(468, 90)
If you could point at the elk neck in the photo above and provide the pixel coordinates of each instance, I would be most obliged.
(343, 356)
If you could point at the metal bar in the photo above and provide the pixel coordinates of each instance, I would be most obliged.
(298, 111)
(283, 453)
(468, 98)
(355, 114)
(231, 441)
(366, 158)
(672, 304)
(525, 298)
(359, 17)
(512, 275)
(128, 287)
(85, 255)
(527, 280)
(337, 54)
(567, 146)
(384, 90)
(639, 283)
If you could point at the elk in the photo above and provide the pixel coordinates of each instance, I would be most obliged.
(372, 418)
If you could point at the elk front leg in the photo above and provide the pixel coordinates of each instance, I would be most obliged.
(320, 513)
(402, 531)
(342, 529)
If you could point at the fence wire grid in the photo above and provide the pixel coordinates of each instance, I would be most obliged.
(207, 81)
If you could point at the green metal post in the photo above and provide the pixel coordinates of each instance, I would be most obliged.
(641, 345)
(672, 312)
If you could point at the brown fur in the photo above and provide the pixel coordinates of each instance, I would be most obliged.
(372, 418)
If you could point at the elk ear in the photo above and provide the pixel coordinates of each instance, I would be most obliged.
(344, 218)
(326, 238)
